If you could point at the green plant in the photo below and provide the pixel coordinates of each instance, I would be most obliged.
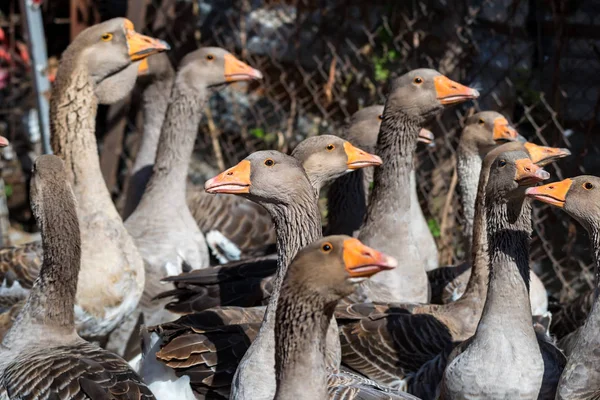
(434, 227)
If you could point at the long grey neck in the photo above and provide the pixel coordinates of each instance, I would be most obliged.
(468, 167)
(477, 285)
(507, 304)
(346, 204)
(300, 338)
(296, 226)
(176, 145)
(594, 232)
(73, 116)
(156, 100)
(396, 145)
(51, 301)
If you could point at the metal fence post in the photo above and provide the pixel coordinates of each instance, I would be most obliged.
(33, 24)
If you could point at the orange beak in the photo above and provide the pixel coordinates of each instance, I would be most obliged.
(235, 70)
(553, 193)
(543, 155)
(4, 141)
(358, 158)
(450, 92)
(529, 173)
(142, 46)
(235, 180)
(143, 68)
(426, 136)
(503, 131)
(362, 261)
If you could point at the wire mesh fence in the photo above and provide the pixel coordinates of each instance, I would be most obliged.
(322, 60)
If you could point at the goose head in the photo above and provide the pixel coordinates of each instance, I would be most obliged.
(486, 129)
(510, 171)
(579, 197)
(328, 157)
(266, 176)
(213, 66)
(423, 93)
(332, 266)
(111, 51)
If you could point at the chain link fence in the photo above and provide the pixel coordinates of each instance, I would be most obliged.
(534, 61)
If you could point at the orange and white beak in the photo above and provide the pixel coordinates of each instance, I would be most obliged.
(235, 180)
(543, 155)
(363, 262)
(236, 70)
(426, 136)
(529, 173)
(503, 131)
(358, 158)
(450, 92)
(553, 193)
(142, 46)
(3, 142)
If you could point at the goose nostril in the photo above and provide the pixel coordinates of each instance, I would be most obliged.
(230, 173)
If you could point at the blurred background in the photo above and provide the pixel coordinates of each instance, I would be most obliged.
(535, 61)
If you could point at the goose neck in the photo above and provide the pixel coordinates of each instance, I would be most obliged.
(73, 116)
(346, 204)
(509, 230)
(176, 145)
(300, 339)
(468, 167)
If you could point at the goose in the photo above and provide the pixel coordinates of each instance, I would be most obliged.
(415, 97)
(505, 343)
(348, 196)
(112, 275)
(293, 204)
(42, 356)
(320, 275)
(169, 238)
(417, 333)
(248, 283)
(481, 131)
(578, 197)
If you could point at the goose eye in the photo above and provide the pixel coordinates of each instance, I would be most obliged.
(330, 147)
(327, 247)
(210, 57)
(502, 163)
(588, 186)
(418, 80)
(380, 116)
(107, 37)
(269, 162)
(481, 122)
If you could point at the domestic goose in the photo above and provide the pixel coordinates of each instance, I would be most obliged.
(42, 356)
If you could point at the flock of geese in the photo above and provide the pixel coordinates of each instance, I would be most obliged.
(234, 291)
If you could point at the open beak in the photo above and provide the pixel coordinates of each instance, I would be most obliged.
(450, 92)
(553, 193)
(358, 158)
(529, 173)
(235, 180)
(503, 132)
(142, 46)
(143, 67)
(4, 141)
(363, 262)
(236, 70)
(543, 155)
(426, 136)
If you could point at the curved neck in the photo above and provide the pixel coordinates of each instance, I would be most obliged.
(594, 233)
(346, 204)
(52, 299)
(73, 117)
(300, 344)
(176, 145)
(507, 304)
